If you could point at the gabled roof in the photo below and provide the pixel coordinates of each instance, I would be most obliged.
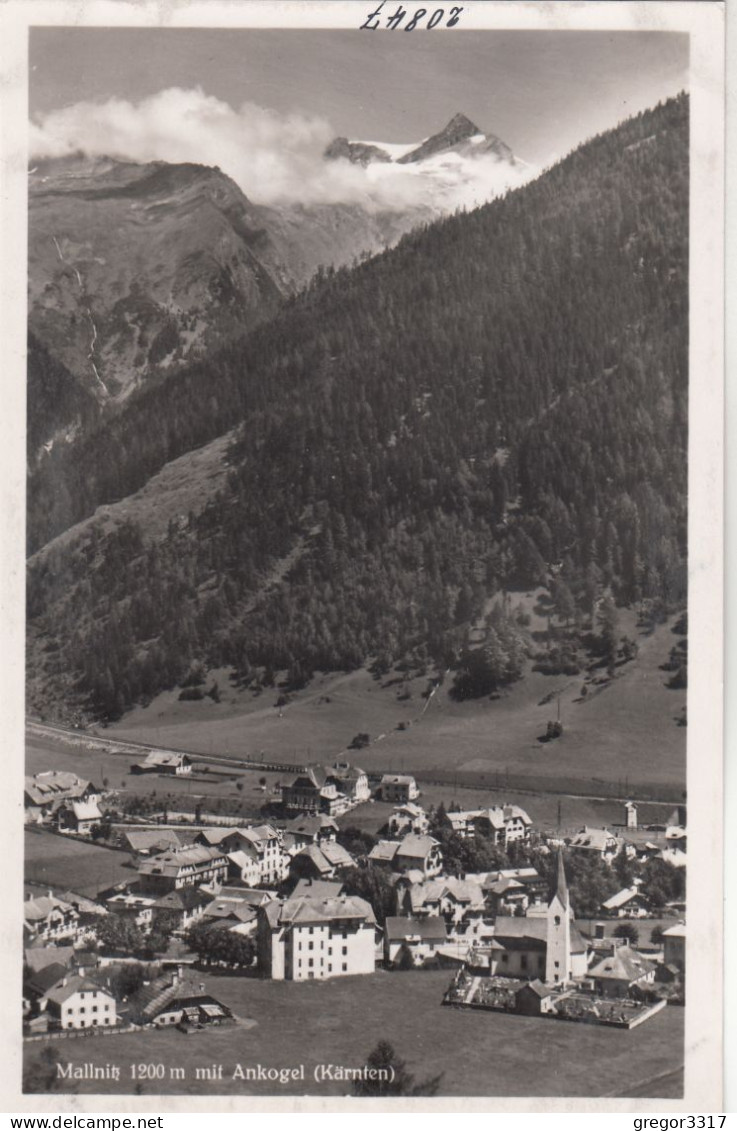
(429, 929)
(416, 846)
(411, 808)
(677, 931)
(160, 758)
(183, 899)
(312, 777)
(621, 899)
(76, 984)
(532, 929)
(243, 859)
(226, 909)
(171, 863)
(144, 840)
(38, 957)
(86, 810)
(536, 987)
(214, 836)
(625, 964)
(50, 784)
(305, 909)
(310, 825)
(596, 839)
(384, 851)
(317, 889)
(397, 779)
(38, 909)
(43, 980)
(336, 854)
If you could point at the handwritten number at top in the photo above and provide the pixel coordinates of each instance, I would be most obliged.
(417, 19)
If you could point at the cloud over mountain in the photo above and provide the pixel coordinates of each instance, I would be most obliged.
(274, 158)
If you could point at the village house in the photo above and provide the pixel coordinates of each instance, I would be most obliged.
(534, 998)
(132, 905)
(314, 829)
(312, 791)
(502, 824)
(188, 866)
(317, 889)
(617, 975)
(182, 907)
(238, 915)
(601, 842)
(420, 853)
(674, 946)
(78, 1002)
(46, 918)
(529, 878)
(78, 817)
(307, 937)
(351, 781)
(244, 865)
(265, 844)
(320, 862)
(331, 790)
(162, 762)
(629, 903)
(408, 818)
(398, 788)
(505, 897)
(417, 939)
(44, 792)
(459, 903)
(174, 999)
(149, 842)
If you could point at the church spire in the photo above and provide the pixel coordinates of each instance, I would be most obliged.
(561, 890)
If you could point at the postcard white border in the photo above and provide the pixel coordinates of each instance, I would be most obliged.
(704, 22)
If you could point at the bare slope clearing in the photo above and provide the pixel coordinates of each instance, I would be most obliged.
(625, 732)
(186, 484)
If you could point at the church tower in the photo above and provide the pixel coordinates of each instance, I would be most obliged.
(558, 955)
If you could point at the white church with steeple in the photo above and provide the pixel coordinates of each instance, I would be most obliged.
(558, 964)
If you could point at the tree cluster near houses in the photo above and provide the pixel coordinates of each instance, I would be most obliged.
(407, 462)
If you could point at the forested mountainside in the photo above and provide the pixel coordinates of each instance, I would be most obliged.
(136, 269)
(501, 397)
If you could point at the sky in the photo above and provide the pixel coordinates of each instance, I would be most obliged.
(194, 94)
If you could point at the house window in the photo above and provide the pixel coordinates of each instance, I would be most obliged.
(344, 950)
(557, 920)
(310, 945)
(505, 958)
(523, 961)
(345, 967)
(311, 963)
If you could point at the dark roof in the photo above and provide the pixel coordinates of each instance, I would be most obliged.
(430, 929)
(183, 899)
(320, 889)
(561, 888)
(537, 987)
(44, 979)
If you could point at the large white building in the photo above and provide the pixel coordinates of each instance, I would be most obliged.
(307, 937)
(79, 1003)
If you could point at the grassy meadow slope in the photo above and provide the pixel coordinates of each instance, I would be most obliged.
(626, 732)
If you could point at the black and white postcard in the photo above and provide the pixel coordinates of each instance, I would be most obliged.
(363, 725)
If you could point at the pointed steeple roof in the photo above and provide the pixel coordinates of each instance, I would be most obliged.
(561, 889)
